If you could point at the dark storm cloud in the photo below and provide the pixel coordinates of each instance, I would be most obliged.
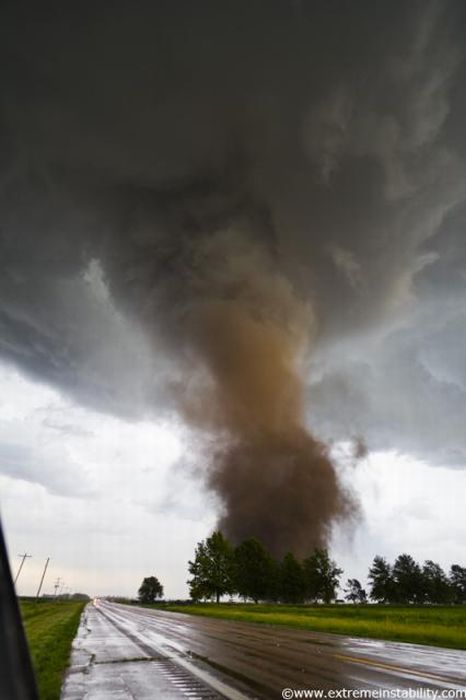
(205, 203)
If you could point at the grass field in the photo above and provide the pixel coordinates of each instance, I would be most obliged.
(437, 625)
(50, 629)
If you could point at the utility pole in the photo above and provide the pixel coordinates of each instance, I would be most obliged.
(42, 579)
(24, 557)
(57, 585)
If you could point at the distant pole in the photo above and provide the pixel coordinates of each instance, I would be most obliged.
(24, 557)
(56, 586)
(42, 579)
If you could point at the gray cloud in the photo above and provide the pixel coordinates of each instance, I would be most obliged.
(48, 466)
(405, 390)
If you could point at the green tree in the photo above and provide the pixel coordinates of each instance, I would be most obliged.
(354, 592)
(291, 580)
(458, 583)
(322, 576)
(437, 588)
(150, 589)
(407, 576)
(253, 571)
(212, 568)
(382, 585)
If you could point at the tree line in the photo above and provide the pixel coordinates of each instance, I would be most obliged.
(406, 581)
(249, 571)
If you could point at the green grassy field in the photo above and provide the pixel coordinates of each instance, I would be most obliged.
(50, 629)
(437, 625)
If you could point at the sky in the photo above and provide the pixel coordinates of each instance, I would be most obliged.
(232, 249)
(113, 506)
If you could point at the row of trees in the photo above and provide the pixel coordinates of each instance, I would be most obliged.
(407, 582)
(249, 571)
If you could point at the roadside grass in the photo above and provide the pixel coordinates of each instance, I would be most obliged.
(443, 626)
(50, 629)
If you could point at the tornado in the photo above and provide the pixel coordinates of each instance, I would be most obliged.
(249, 334)
(234, 215)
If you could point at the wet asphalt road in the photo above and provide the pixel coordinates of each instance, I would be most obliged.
(126, 652)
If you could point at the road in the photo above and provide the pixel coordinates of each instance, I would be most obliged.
(123, 652)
